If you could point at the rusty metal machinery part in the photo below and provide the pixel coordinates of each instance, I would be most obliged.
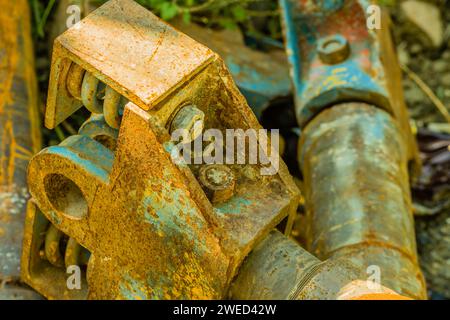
(95, 96)
(96, 128)
(75, 79)
(354, 156)
(191, 119)
(150, 227)
(354, 162)
(333, 49)
(261, 77)
(61, 251)
(218, 181)
(361, 63)
(42, 270)
(52, 241)
(359, 210)
(279, 269)
(20, 138)
(90, 90)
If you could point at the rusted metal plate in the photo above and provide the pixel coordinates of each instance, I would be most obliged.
(19, 136)
(261, 76)
(131, 64)
(155, 241)
(317, 83)
(38, 271)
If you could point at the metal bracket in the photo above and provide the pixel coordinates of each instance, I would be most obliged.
(149, 224)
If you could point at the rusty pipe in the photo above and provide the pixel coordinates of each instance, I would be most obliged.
(279, 269)
(354, 162)
(354, 156)
(19, 138)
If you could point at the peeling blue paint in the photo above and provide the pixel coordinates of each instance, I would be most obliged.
(235, 205)
(130, 289)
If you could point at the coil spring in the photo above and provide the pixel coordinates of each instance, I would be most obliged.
(56, 242)
(96, 96)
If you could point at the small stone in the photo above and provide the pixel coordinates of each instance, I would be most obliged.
(403, 55)
(445, 80)
(414, 95)
(415, 48)
(446, 55)
(427, 17)
(440, 66)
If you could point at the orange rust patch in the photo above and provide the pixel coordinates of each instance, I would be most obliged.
(380, 296)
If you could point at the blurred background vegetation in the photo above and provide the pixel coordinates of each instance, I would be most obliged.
(254, 17)
(231, 14)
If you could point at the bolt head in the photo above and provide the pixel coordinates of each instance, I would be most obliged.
(333, 49)
(218, 182)
(191, 119)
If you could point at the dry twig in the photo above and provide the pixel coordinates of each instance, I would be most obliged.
(427, 90)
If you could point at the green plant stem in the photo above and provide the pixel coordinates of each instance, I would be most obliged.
(44, 18)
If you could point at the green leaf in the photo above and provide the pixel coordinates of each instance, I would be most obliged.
(168, 10)
(45, 15)
(227, 23)
(150, 3)
(239, 13)
(186, 17)
(387, 2)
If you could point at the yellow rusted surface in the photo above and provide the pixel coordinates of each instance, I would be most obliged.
(17, 64)
(150, 227)
(20, 136)
(127, 64)
(394, 86)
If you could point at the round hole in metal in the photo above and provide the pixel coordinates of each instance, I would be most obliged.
(65, 196)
